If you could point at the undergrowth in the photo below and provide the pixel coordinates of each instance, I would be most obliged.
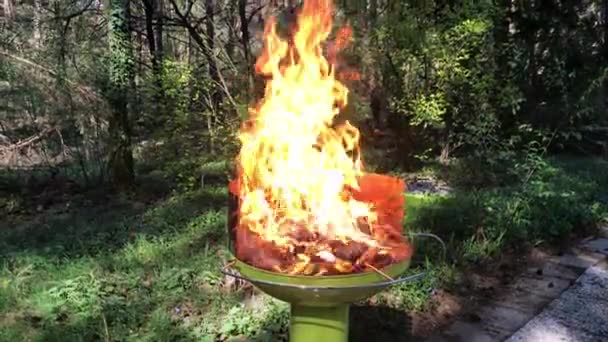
(120, 272)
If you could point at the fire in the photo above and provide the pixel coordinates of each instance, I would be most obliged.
(303, 206)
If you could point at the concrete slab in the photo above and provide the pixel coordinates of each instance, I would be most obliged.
(603, 230)
(578, 259)
(526, 302)
(579, 281)
(502, 317)
(597, 245)
(579, 314)
(548, 287)
(461, 331)
(554, 269)
(499, 321)
(547, 329)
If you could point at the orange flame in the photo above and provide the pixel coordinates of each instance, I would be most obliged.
(298, 170)
(294, 164)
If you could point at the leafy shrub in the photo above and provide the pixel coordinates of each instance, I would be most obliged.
(263, 324)
(81, 295)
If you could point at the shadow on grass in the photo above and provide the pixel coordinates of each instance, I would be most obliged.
(159, 327)
(88, 231)
(367, 323)
(379, 323)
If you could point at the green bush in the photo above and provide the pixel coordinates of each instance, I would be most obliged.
(557, 198)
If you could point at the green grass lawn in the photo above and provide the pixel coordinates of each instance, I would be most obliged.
(121, 271)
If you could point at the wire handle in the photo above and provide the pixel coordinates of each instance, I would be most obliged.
(412, 277)
(436, 238)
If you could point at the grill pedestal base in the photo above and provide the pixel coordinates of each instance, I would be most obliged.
(318, 324)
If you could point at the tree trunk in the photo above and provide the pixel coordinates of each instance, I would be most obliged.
(154, 31)
(9, 10)
(605, 48)
(267, 11)
(373, 12)
(159, 14)
(189, 53)
(37, 23)
(245, 39)
(504, 53)
(377, 99)
(531, 28)
(120, 161)
(260, 15)
(149, 16)
(216, 96)
(231, 20)
(207, 45)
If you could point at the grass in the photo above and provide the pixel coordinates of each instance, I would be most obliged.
(101, 276)
(565, 196)
(120, 271)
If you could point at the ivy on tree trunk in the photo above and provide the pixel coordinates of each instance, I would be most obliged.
(120, 161)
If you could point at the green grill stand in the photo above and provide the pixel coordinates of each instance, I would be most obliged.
(309, 323)
(320, 305)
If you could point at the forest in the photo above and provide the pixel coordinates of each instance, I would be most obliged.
(119, 127)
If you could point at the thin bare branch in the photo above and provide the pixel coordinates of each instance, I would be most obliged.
(84, 90)
(201, 42)
(20, 145)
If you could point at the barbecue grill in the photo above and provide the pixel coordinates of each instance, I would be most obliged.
(319, 304)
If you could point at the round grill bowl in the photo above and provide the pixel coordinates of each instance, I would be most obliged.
(321, 290)
(319, 304)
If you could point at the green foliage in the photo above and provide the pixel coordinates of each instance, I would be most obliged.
(559, 198)
(80, 295)
(238, 322)
(492, 89)
(154, 276)
(478, 249)
(186, 128)
(416, 295)
(454, 96)
(265, 324)
(175, 78)
(468, 75)
(428, 110)
(135, 284)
